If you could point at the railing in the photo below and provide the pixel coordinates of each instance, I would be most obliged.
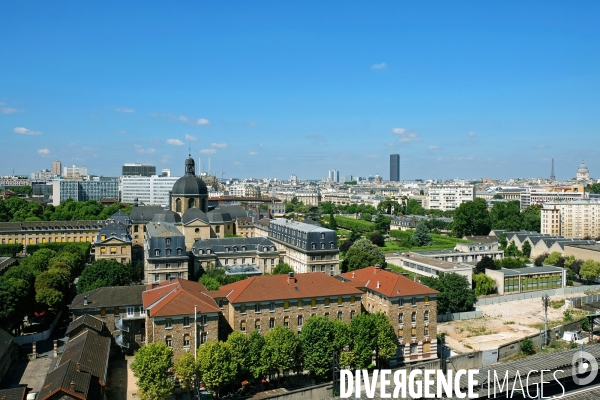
(119, 325)
(121, 341)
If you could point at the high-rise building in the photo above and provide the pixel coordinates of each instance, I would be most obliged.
(74, 172)
(97, 189)
(56, 168)
(395, 167)
(138, 170)
(334, 175)
(148, 190)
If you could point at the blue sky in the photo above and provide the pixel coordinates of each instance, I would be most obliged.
(267, 89)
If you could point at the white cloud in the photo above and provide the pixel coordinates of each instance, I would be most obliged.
(10, 110)
(219, 145)
(175, 142)
(183, 118)
(406, 136)
(203, 121)
(432, 147)
(43, 152)
(252, 123)
(379, 66)
(208, 151)
(252, 153)
(124, 110)
(24, 131)
(471, 134)
(141, 150)
(191, 138)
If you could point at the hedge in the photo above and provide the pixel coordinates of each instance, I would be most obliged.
(32, 248)
(10, 250)
(354, 224)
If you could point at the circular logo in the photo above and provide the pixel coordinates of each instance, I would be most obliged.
(584, 363)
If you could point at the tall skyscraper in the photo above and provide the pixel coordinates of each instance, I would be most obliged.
(395, 167)
(56, 167)
(138, 170)
(334, 175)
(552, 177)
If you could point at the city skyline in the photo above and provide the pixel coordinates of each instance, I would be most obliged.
(457, 90)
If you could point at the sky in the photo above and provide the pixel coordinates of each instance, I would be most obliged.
(464, 89)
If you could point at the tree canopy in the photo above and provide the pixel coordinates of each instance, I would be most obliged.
(282, 268)
(104, 273)
(216, 365)
(151, 365)
(455, 295)
(362, 254)
(471, 218)
(421, 236)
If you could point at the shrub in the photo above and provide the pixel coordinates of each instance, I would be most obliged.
(527, 347)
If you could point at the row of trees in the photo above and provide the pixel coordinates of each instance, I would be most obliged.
(19, 209)
(580, 270)
(473, 218)
(246, 357)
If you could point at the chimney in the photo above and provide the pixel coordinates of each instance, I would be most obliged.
(72, 386)
(85, 301)
(352, 274)
(291, 278)
(378, 285)
(78, 366)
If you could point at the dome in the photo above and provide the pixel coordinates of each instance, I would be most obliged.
(582, 168)
(190, 184)
(192, 214)
(167, 216)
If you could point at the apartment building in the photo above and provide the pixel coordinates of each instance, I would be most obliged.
(49, 232)
(165, 255)
(542, 196)
(97, 189)
(411, 306)
(444, 198)
(572, 219)
(113, 242)
(148, 190)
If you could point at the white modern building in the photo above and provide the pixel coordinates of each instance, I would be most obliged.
(41, 176)
(542, 196)
(442, 197)
(572, 219)
(73, 172)
(148, 190)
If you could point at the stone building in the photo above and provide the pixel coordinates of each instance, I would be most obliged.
(181, 314)
(165, 255)
(49, 232)
(263, 302)
(189, 191)
(572, 219)
(113, 242)
(411, 307)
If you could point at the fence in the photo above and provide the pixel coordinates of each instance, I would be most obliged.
(581, 301)
(459, 316)
(536, 294)
(39, 336)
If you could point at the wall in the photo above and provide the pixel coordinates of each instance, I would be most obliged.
(459, 316)
(536, 294)
(36, 337)
(582, 254)
(316, 392)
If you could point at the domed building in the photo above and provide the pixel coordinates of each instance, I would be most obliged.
(189, 191)
(583, 174)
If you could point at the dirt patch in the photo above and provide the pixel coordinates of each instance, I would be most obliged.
(501, 324)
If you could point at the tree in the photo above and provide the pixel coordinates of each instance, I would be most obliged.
(39, 260)
(345, 246)
(366, 216)
(539, 260)
(512, 250)
(332, 223)
(280, 350)
(414, 208)
(240, 350)
(455, 295)
(282, 268)
(421, 236)
(151, 365)
(364, 340)
(387, 342)
(316, 343)
(382, 223)
(216, 365)
(506, 215)
(377, 239)
(532, 218)
(363, 254)
(526, 249)
(510, 263)
(471, 218)
(50, 289)
(484, 285)
(502, 241)
(590, 270)
(15, 297)
(104, 273)
(213, 277)
(486, 262)
(553, 258)
(527, 347)
(257, 365)
(186, 369)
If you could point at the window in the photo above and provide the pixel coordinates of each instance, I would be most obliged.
(352, 314)
(203, 319)
(243, 326)
(257, 325)
(413, 317)
(300, 320)
(400, 318)
(156, 277)
(117, 312)
(243, 309)
(168, 241)
(286, 305)
(156, 265)
(169, 323)
(168, 265)
(186, 321)
(313, 303)
(272, 306)
(167, 277)
(313, 246)
(186, 340)
(313, 269)
(426, 347)
(257, 308)
(299, 303)
(168, 252)
(426, 331)
(103, 312)
(426, 300)
(322, 246)
(286, 322)
(400, 302)
(339, 315)
(272, 323)
(326, 302)
(156, 252)
(203, 337)
(169, 341)
(426, 316)
(352, 299)
(414, 301)
(413, 332)
(217, 229)
(340, 301)
(130, 311)
(413, 348)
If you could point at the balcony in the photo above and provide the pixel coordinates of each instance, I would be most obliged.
(120, 326)
(121, 341)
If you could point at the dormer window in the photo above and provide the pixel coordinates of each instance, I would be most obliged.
(168, 252)
(322, 236)
(179, 251)
(234, 248)
(243, 248)
(156, 252)
(226, 249)
(168, 241)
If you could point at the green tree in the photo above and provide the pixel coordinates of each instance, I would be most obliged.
(345, 246)
(363, 254)
(382, 223)
(455, 295)
(15, 298)
(526, 249)
(387, 342)
(282, 268)
(366, 216)
(39, 260)
(332, 223)
(421, 236)
(527, 347)
(483, 264)
(414, 208)
(364, 340)
(316, 343)
(214, 277)
(532, 218)
(104, 273)
(471, 218)
(257, 365)
(185, 369)
(590, 270)
(512, 250)
(553, 258)
(539, 260)
(502, 241)
(50, 289)
(506, 215)
(151, 365)
(280, 350)
(240, 351)
(484, 285)
(377, 239)
(216, 365)
(510, 263)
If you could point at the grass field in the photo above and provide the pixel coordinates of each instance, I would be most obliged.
(401, 242)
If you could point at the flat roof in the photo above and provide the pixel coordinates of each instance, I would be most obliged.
(591, 247)
(445, 265)
(545, 269)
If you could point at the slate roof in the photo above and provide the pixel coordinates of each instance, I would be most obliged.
(60, 380)
(91, 351)
(19, 393)
(121, 217)
(390, 284)
(234, 210)
(300, 226)
(87, 321)
(193, 214)
(218, 245)
(219, 215)
(45, 226)
(6, 341)
(178, 297)
(155, 229)
(189, 185)
(167, 216)
(280, 287)
(143, 214)
(115, 296)
(113, 230)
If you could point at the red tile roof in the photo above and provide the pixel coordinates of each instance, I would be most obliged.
(178, 297)
(391, 284)
(278, 287)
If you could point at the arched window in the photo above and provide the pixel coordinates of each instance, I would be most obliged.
(190, 203)
(178, 205)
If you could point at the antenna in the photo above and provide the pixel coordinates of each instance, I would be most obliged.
(552, 177)
(208, 165)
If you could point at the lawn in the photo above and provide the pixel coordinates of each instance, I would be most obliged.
(401, 242)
